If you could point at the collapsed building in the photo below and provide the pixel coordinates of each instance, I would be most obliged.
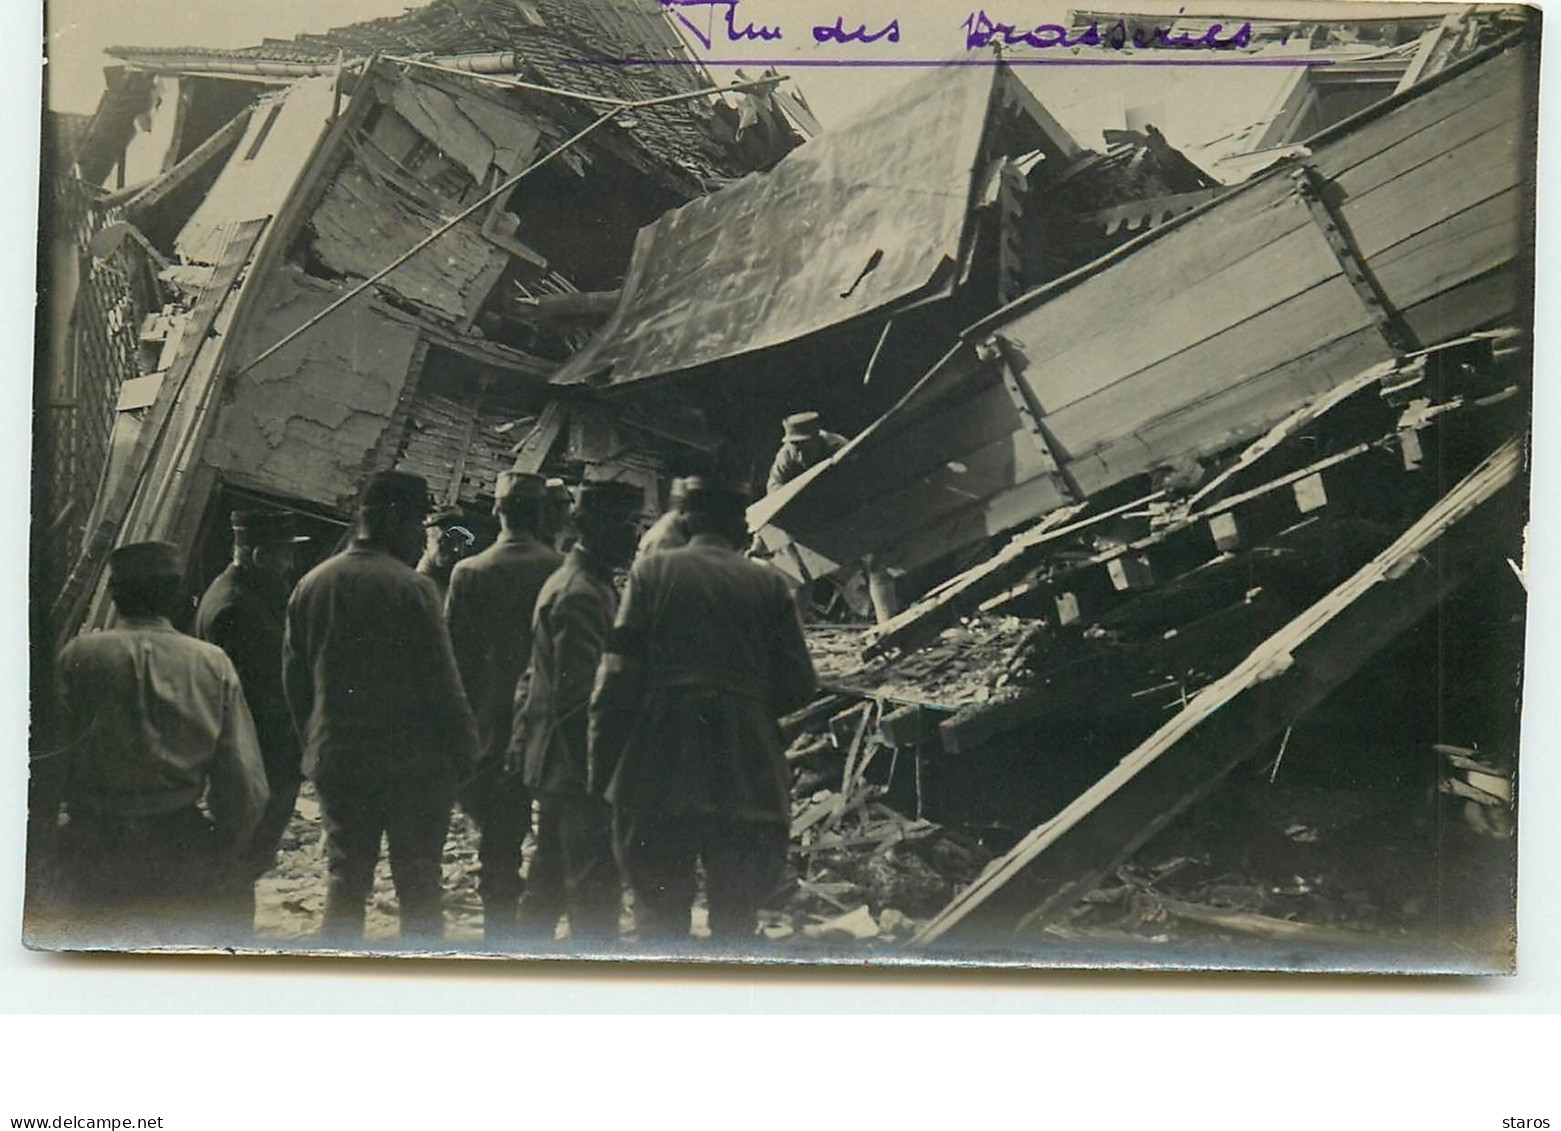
(1167, 456)
(250, 192)
(1293, 473)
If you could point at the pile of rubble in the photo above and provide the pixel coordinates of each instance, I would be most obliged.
(971, 662)
(861, 869)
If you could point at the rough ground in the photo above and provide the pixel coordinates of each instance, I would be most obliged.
(1341, 865)
(1317, 849)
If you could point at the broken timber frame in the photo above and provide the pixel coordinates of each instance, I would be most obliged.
(973, 590)
(1216, 730)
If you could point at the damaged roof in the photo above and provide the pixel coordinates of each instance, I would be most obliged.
(869, 216)
(616, 48)
(1234, 315)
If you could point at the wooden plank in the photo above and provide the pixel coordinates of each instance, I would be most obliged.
(930, 502)
(1157, 272)
(87, 571)
(1472, 243)
(1499, 110)
(1426, 112)
(1234, 415)
(1263, 926)
(962, 593)
(192, 163)
(1289, 678)
(1476, 171)
(928, 541)
(1262, 281)
(1293, 329)
(810, 716)
(531, 452)
(1479, 302)
(1290, 425)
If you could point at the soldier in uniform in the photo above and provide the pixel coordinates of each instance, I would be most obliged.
(803, 445)
(489, 608)
(374, 691)
(155, 723)
(573, 868)
(669, 531)
(446, 540)
(707, 653)
(242, 612)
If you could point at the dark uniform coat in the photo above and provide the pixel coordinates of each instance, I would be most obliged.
(716, 655)
(244, 612)
(573, 623)
(370, 675)
(489, 609)
(794, 458)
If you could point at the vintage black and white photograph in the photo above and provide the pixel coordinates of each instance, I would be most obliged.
(811, 483)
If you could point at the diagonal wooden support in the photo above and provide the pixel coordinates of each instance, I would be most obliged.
(1290, 672)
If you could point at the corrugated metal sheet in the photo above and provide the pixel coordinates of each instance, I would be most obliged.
(853, 221)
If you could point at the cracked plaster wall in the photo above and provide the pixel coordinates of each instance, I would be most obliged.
(304, 422)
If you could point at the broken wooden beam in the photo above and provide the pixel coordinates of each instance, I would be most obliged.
(1264, 926)
(910, 725)
(1286, 675)
(143, 196)
(806, 718)
(575, 304)
(962, 594)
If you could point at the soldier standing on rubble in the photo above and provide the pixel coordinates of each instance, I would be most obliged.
(447, 540)
(489, 609)
(243, 612)
(374, 692)
(573, 868)
(804, 445)
(154, 723)
(670, 530)
(707, 653)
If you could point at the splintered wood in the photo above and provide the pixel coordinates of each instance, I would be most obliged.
(967, 664)
(863, 870)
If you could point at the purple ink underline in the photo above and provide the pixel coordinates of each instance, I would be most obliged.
(1020, 61)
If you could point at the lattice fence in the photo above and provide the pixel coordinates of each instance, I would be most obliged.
(102, 351)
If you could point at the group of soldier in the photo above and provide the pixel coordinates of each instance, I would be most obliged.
(614, 702)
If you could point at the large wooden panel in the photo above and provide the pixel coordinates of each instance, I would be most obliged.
(1233, 415)
(931, 444)
(1503, 76)
(361, 223)
(1158, 271)
(1499, 110)
(928, 541)
(1437, 191)
(1290, 330)
(1147, 334)
(1467, 245)
(987, 471)
(1480, 302)
(303, 423)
